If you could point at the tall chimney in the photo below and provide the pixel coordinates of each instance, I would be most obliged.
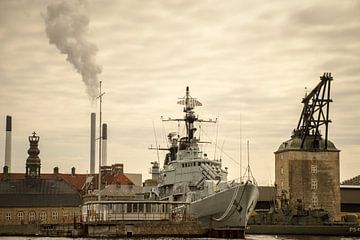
(104, 146)
(8, 144)
(92, 143)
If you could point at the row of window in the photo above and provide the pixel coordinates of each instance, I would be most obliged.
(313, 169)
(139, 208)
(32, 216)
(191, 164)
(194, 164)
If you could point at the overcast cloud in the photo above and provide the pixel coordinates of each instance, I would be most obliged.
(248, 57)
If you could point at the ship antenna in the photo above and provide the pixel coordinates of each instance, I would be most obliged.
(157, 147)
(164, 132)
(216, 139)
(240, 160)
(101, 94)
(248, 160)
(222, 149)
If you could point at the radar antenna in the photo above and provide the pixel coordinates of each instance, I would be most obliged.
(190, 103)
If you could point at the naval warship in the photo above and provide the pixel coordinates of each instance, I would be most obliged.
(188, 175)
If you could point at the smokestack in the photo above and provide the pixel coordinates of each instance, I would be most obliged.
(92, 143)
(104, 147)
(8, 144)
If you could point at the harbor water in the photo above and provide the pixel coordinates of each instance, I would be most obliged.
(248, 237)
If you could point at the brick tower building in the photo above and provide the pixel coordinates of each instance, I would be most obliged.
(307, 165)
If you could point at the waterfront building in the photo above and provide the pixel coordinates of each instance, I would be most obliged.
(350, 196)
(307, 165)
(309, 176)
(115, 185)
(30, 199)
(355, 181)
(55, 198)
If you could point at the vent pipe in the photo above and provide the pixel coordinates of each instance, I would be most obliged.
(104, 145)
(8, 144)
(92, 143)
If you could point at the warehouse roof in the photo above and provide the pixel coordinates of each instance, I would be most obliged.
(38, 193)
(352, 181)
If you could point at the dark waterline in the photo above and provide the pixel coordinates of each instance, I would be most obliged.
(248, 237)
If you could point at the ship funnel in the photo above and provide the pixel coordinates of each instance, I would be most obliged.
(92, 142)
(8, 143)
(104, 145)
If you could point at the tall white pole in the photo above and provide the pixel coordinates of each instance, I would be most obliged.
(240, 150)
(100, 139)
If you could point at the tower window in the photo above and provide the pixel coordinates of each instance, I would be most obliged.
(7, 216)
(315, 201)
(313, 168)
(314, 184)
(282, 170)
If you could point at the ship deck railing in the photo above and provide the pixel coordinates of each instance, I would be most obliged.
(115, 211)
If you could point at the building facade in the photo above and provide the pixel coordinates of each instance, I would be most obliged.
(309, 176)
(30, 199)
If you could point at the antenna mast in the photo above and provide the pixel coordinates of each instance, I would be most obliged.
(100, 138)
(216, 139)
(248, 160)
(157, 146)
(240, 150)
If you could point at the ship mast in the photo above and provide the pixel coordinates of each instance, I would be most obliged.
(189, 104)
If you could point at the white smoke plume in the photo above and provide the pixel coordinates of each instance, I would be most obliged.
(66, 28)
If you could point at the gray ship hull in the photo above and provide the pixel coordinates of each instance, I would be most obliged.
(227, 209)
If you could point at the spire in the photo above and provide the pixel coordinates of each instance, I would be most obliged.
(33, 161)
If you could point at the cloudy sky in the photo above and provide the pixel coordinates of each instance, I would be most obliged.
(248, 58)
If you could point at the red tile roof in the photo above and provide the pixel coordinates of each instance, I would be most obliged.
(118, 178)
(77, 180)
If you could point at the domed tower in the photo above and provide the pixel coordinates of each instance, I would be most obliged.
(307, 165)
(33, 161)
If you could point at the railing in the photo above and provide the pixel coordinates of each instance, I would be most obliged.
(110, 211)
